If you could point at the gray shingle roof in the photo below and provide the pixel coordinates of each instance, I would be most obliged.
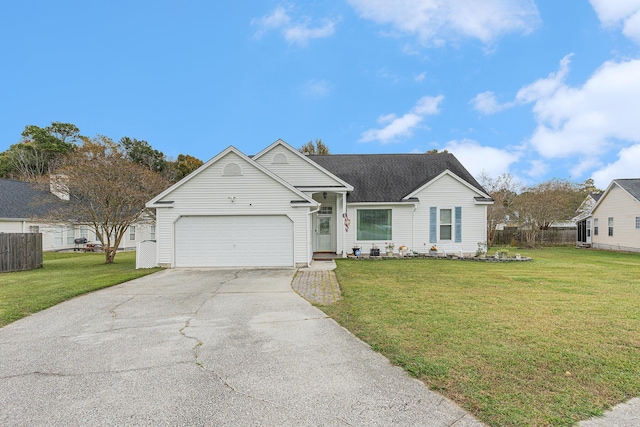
(23, 200)
(390, 177)
(632, 186)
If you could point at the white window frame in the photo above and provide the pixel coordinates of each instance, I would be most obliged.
(153, 232)
(358, 231)
(71, 234)
(610, 225)
(132, 232)
(444, 224)
(58, 235)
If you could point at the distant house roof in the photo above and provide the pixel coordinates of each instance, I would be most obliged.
(632, 186)
(24, 200)
(390, 177)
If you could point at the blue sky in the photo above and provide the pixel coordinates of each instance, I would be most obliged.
(540, 89)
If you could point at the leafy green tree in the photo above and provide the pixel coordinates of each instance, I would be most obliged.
(318, 148)
(186, 164)
(139, 151)
(39, 151)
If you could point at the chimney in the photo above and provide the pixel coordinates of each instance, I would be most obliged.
(59, 186)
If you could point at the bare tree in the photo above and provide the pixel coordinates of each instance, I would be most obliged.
(546, 203)
(106, 190)
(503, 190)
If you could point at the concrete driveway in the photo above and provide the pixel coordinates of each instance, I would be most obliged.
(203, 347)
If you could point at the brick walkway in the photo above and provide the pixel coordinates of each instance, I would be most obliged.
(317, 286)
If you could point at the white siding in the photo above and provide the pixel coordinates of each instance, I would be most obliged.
(411, 227)
(212, 193)
(297, 172)
(11, 227)
(624, 209)
(401, 227)
(447, 193)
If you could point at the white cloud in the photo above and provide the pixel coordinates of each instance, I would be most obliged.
(420, 77)
(545, 87)
(487, 103)
(301, 33)
(276, 19)
(625, 167)
(477, 158)
(296, 33)
(587, 120)
(625, 12)
(435, 21)
(538, 169)
(317, 88)
(397, 127)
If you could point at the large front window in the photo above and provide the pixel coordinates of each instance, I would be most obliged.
(374, 224)
(445, 224)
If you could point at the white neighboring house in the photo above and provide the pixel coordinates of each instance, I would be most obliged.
(614, 221)
(21, 203)
(583, 220)
(279, 207)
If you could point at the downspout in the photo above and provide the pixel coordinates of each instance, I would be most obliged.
(309, 239)
(342, 228)
(413, 227)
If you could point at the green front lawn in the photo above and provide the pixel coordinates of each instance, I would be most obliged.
(546, 342)
(64, 276)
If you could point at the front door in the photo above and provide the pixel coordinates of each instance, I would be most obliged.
(588, 231)
(323, 233)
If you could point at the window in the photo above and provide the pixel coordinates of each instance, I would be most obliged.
(638, 223)
(132, 232)
(445, 224)
(374, 224)
(595, 226)
(34, 229)
(70, 235)
(153, 232)
(325, 210)
(57, 237)
(84, 232)
(610, 226)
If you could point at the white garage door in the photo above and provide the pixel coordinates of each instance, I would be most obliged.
(234, 241)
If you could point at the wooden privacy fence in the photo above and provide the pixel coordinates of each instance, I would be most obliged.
(20, 251)
(551, 237)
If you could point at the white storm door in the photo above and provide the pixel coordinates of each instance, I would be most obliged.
(324, 232)
(589, 231)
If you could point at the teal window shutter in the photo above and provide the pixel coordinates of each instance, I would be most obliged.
(458, 224)
(433, 225)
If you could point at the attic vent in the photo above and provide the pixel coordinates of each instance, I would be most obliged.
(232, 169)
(280, 158)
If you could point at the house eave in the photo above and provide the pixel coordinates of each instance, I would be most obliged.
(407, 202)
(482, 200)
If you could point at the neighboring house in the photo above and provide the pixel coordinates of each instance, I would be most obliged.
(279, 207)
(22, 203)
(614, 221)
(583, 219)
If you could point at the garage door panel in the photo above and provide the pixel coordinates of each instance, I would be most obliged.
(234, 241)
